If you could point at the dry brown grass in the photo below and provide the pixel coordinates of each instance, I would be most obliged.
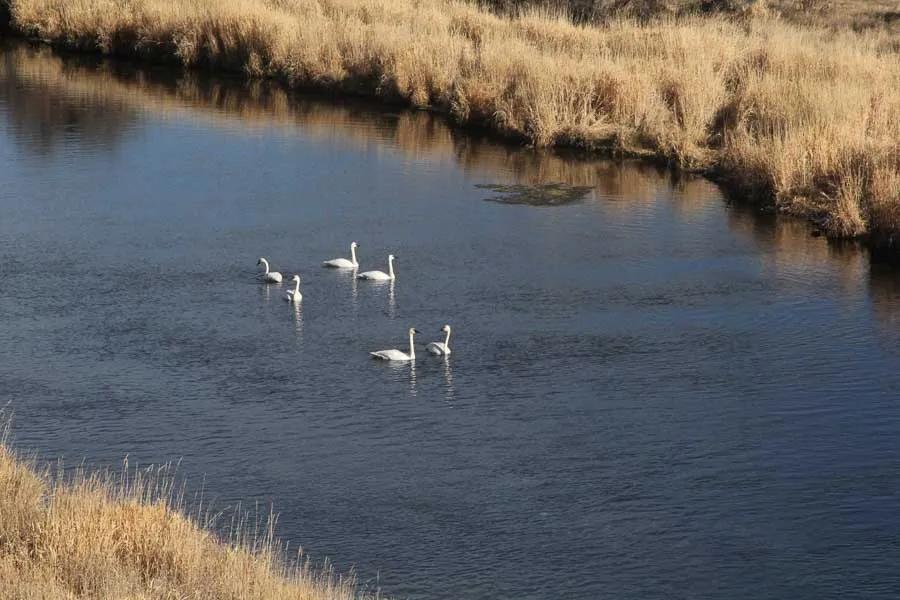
(96, 536)
(836, 14)
(859, 15)
(807, 117)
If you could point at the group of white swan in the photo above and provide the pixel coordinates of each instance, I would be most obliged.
(435, 348)
(343, 263)
(293, 296)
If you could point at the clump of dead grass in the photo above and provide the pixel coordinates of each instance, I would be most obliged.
(99, 536)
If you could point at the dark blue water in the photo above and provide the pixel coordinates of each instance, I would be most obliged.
(653, 394)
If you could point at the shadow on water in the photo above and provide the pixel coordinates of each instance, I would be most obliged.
(884, 292)
(790, 248)
(53, 100)
(787, 237)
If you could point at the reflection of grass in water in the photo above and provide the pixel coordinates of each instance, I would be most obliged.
(547, 194)
(801, 117)
(48, 81)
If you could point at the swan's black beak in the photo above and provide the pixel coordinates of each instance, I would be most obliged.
(415, 331)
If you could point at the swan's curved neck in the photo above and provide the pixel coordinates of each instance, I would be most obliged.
(447, 340)
(265, 264)
(412, 347)
(391, 268)
(353, 255)
(297, 286)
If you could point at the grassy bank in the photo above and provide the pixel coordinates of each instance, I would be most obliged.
(104, 537)
(806, 117)
(859, 15)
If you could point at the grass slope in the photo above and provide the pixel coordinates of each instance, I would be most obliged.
(94, 536)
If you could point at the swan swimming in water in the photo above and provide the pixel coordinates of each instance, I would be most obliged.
(268, 277)
(343, 263)
(398, 355)
(380, 275)
(440, 348)
(294, 295)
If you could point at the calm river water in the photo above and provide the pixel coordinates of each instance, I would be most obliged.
(653, 394)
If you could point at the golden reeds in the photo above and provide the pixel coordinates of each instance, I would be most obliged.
(96, 535)
(808, 118)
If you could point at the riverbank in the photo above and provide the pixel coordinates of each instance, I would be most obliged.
(803, 118)
(95, 535)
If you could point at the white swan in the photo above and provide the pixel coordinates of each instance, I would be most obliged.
(343, 263)
(380, 275)
(294, 295)
(397, 354)
(440, 348)
(268, 277)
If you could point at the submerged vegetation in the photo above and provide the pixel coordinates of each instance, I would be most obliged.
(547, 194)
(95, 535)
(804, 116)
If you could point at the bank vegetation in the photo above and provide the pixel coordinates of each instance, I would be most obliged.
(95, 535)
(789, 109)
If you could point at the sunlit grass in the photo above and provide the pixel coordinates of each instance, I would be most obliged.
(100, 536)
(808, 118)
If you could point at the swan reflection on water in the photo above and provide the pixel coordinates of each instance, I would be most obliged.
(449, 392)
(412, 378)
(354, 290)
(297, 310)
(379, 279)
(392, 301)
(265, 291)
(391, 308)
(408, 370)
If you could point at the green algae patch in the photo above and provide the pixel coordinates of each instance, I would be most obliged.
(546, 194)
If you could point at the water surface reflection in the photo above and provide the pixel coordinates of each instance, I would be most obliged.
(650, 389)
(97, 100)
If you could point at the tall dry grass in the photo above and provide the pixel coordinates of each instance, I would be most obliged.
(99, 536)
(836, 14)
(808, 118)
